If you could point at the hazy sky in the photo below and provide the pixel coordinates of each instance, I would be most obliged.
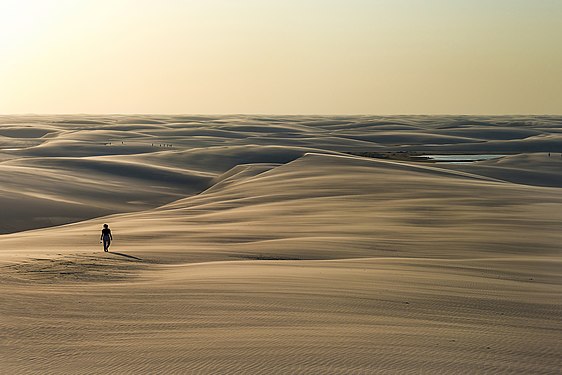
(281, 56)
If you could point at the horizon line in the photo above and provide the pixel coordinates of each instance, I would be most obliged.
(278, 114)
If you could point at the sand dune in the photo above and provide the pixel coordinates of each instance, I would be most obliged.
(539, 169)
(51, 191)
(255, 244)
(362, 316)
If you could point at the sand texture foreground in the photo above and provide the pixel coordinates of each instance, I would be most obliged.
(259, 245)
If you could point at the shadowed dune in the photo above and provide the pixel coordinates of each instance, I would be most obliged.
(539, 169)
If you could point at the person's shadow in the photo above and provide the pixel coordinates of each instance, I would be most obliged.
(125, 255)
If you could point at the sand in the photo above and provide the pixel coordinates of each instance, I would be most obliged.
(253, 244)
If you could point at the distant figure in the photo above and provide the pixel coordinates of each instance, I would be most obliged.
(106, 237)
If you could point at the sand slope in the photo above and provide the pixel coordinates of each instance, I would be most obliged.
(255, 253)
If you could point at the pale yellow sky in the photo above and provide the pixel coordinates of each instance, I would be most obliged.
(281, 57)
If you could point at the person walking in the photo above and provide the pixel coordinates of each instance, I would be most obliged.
(106, 237)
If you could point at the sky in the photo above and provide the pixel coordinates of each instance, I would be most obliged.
(281, 57)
